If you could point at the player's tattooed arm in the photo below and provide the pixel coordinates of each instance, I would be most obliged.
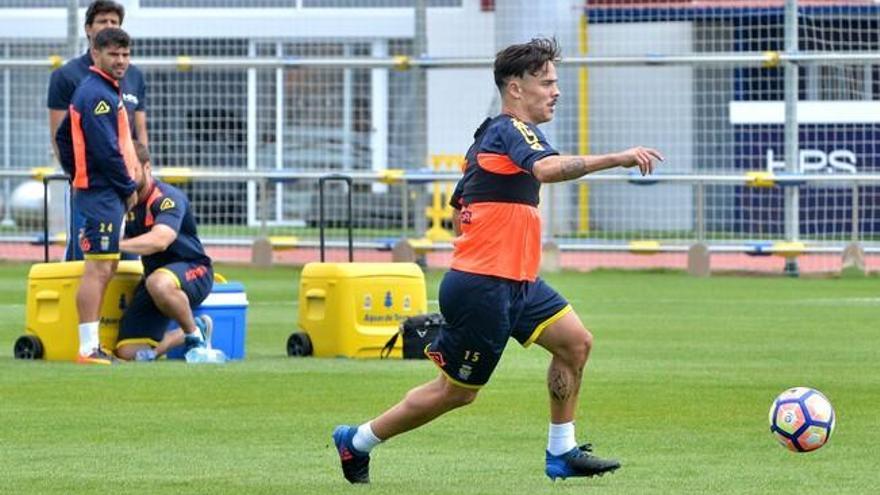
(572, 167)
(559, 168)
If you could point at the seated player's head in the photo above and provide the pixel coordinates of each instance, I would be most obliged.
(111, 52)
(102, 14)
(144, 173)
(526, 78)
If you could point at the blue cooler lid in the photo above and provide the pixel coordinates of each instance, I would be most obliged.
(227, 294)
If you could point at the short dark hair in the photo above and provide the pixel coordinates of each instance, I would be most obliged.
(111, 37)
(143, 154)
(103, 7)
(531, 57)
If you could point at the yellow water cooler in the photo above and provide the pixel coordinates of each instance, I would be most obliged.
(51, 314)
(352, 309)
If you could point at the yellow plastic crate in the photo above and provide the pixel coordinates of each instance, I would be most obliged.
(51, 313)
(352, 309)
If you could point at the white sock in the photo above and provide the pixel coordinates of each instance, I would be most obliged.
(561, 438)
(364, 439)
(88, 337)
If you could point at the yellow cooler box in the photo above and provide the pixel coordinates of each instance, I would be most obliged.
(352, 309)
(51, 315)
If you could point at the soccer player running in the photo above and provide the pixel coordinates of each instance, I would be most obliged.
(493, 291)
(178, 276)
(105, 167)
(100, 15)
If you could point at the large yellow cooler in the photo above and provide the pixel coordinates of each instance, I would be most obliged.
(51, 314)
(352, 309)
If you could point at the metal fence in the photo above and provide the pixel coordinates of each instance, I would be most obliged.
(414, 209)
(274, 96)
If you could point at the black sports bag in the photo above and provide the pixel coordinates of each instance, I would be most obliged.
(417, 332)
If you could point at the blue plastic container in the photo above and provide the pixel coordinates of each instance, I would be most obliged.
(227, 307)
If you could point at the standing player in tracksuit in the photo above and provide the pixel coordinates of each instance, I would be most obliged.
(95, 137)
(100, 14)
(178, 276)
(493, 291)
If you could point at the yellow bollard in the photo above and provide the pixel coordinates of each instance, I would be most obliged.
(441, 193)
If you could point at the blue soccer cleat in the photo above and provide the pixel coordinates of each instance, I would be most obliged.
(355, 464)
(202, 336)
(577, 462)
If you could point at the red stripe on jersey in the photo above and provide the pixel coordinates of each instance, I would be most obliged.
(107, 77)
(498, 164)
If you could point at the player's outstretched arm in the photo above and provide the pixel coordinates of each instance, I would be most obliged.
(559, 168)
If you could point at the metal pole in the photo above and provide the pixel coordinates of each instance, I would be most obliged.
(420, 101)
(279, 134)
(404, 208)
(7, 140)
(379, 101)
(792, 146)
(251, 126)
(72, 28)
(701, 214)
(347, 112)
(264, 206)
(854, 235)
(46, 219)
(321, 215)
(350, 221)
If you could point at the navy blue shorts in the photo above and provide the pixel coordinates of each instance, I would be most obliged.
(73, 252)
(481, 313)
(102, 211)
(143, 323)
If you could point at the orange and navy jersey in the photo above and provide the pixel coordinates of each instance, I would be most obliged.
(94, 139)
(498, 201)
(167, 205)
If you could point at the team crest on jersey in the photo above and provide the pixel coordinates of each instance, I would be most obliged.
(528, 134)
(166, 204)
(102, 107)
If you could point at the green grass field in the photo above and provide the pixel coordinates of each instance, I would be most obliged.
(678, 388)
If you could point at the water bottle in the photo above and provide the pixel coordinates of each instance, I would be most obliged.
(205, 355)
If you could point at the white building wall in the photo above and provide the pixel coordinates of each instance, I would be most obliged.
(652, 107)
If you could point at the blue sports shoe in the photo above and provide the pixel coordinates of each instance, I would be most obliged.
(578, 461)
(355, 464)
(204, 327)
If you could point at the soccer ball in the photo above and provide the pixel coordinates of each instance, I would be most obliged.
(802, 419)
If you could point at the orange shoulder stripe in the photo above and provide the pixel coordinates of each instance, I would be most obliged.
(154, 195)
(498, 164)
(80, 174)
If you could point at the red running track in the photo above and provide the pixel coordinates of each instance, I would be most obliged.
(581, 261)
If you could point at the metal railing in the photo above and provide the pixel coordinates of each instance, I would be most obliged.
(854, 226)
